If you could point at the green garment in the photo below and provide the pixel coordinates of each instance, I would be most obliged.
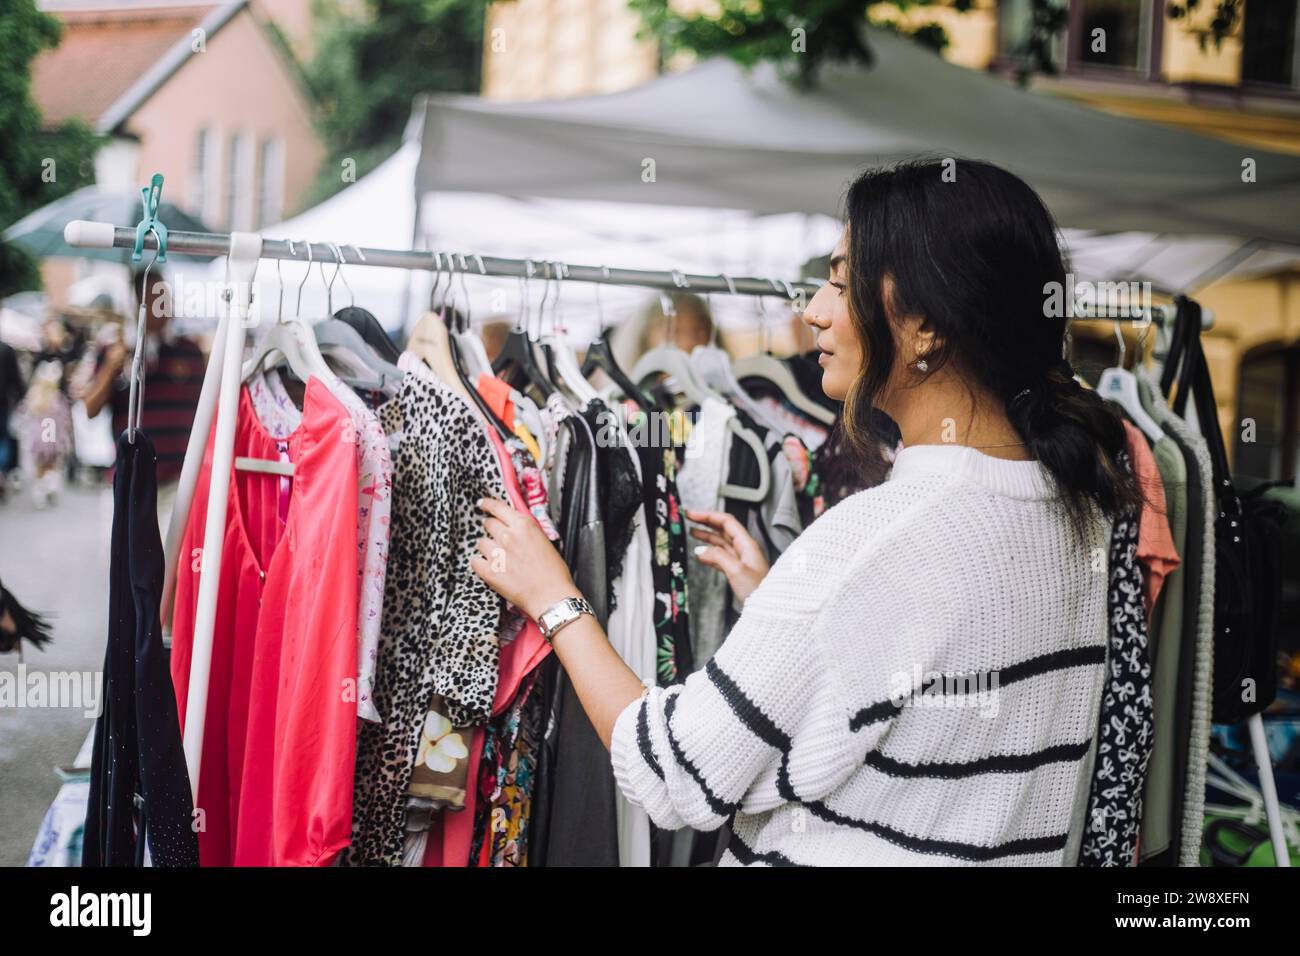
(1166, 624)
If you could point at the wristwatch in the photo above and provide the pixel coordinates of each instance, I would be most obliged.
(564, 612)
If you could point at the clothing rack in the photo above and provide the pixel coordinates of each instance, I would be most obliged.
(219, 394)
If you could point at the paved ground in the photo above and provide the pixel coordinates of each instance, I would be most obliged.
(54, 561)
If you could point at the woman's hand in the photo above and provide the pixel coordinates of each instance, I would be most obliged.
(731, 549)
(518, 561)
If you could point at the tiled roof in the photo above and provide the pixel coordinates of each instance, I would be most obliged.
(103, 52)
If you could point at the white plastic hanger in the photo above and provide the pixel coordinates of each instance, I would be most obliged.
(713, 365)
(1119, 385)
(370, 371)
(472, 352)
(668, 359)
(431, 341)
(766, 366)
(564, 360)
(293, 340)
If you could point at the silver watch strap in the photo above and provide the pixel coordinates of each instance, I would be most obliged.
(555, 617)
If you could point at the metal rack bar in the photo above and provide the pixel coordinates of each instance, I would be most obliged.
(82, 233)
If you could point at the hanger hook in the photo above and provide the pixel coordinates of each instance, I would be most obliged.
(561, 271)
(482, 270)
(600, 306)
(437, 277)
(338, 251)
(279, 276)
(361, 257)
(761, 310)
(298, 305)
(521, 321)
(338, 267)
(547, 268)
(1147, 320)
(464, 289)
(731, 290)
(135, 401)
(449, 300)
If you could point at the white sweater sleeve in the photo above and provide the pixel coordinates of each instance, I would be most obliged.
(767, 721)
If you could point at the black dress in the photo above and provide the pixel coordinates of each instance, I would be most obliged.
(137, 737)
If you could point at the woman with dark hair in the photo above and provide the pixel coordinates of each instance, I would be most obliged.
(917, 679)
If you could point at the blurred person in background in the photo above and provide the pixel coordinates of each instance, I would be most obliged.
(17, 624)
(12, 388)
(691, 326)
(44, 426)
(494, 333)
(173, 378)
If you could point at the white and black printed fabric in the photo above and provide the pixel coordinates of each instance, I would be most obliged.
(809, 730)
(1125, 728)
(441, 621)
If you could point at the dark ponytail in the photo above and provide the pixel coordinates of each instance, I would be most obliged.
(972, 249)
(1076, 434)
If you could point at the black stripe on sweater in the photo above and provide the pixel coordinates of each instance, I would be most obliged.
(962, 851)
(758, 723)
(996, 763)
(1034, 667)
(753, 717)
(720, 807)
(643, 740)
(763, 727)
(749, 857)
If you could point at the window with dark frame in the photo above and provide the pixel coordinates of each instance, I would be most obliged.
(1113, 33)
(1268, 42)
(1267, 441)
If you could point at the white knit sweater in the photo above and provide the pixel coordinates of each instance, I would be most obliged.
(820, 723)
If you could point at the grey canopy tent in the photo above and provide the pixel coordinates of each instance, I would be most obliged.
(717, 136)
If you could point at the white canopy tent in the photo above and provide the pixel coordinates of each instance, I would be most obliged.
(722, 138)
(378, 211)
(1137, 200)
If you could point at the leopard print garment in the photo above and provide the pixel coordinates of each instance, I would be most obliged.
(440, 620)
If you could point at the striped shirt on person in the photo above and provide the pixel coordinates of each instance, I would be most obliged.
(915, 682)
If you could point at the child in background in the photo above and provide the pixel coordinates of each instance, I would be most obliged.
(44, 426)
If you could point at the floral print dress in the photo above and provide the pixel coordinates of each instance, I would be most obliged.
(668, 539)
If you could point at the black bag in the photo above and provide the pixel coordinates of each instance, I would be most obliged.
(1247, 549)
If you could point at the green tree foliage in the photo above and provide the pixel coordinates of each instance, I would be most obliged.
(37, 166)
(796, 35)
(1217, 24)
(1047, 18)
(368, 69)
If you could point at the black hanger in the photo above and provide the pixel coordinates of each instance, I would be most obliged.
(497, 424)
(600, 355)
(365, 323)
(1177, 345)
(515, 363)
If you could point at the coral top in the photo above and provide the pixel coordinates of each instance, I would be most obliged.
(279, 743)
